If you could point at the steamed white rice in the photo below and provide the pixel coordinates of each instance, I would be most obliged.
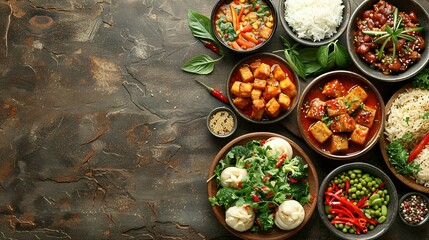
(406, 116)
(314, 19)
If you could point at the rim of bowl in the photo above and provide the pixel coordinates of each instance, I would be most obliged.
(399, 208)
(374, 139)
(255, 56)
(364, 67)
(373, 170)
(215, 110)
(340, 30)
(256, 48)
(211, 190)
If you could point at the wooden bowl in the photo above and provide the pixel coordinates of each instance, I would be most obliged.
(275, 233)
(410, 182)
(313, 90)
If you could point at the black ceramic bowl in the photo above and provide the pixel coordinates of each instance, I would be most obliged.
(222, 122)
(308, 42)
(272, 60)
(403, 209)
(392, 206)
(362, 65)
(221, 39)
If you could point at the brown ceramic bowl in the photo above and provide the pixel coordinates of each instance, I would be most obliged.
(392, 206)
(274, 233)
(270, 59)
(410, 182)
(222, 39)
(308, 42)
(349, 80)
(363, 66)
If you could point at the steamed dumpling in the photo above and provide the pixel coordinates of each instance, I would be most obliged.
(240, 218)
(279, 146)
(289, 215)
(232, 176)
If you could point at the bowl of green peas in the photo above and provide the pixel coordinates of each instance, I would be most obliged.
(357, 201)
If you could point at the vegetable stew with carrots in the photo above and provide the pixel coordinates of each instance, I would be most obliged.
(244, 24)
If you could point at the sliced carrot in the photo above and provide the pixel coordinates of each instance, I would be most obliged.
(234, 17)
(240, 14)
(247, 28)
(250, 38)
(234, 45)
(244, 44)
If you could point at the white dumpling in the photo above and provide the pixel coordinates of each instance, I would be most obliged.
(232, 176)
(289, 215)
(279, 146)
(240, 218)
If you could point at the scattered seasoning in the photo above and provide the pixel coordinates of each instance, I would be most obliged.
(221, 123)
(414, 209)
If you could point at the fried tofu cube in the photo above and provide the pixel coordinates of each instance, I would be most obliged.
(335, 107)
(265, 32)
(317, 109)
(245, 90)
(271, 92)
(257, 114)
(272, 82)
(258, 104)
(235, 88)
(241, 102)
(259, 84)
(334, 89)
(288, 87)
(272, 107)
(254, 65)
(339, 143)
(256, 94)
(278, 73)
(359, 134)
(366, 116)
(263, 71)
(246, 74)
(343, 123)
(284, 101)
(320, 131)
(354, 98)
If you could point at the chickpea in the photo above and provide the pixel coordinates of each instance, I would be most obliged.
(242, 1)
(271, 18)
(269, 24)
(255, 25)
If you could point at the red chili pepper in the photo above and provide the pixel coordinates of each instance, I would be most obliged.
(248, 165)
(215, 93)
(211, 46)
(262, 142)
(270, 194)
(293, 180)
(419, 148)
(255, 198)
(347, 186)
(280, 162)
(240, 185)
(267, 177)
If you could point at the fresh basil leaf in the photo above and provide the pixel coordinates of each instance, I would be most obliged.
(308, 54)
(200, 64)
(295, 63)
(322, 54)
(285, 42)
(201, 27)
(312, 67)
(342, 58)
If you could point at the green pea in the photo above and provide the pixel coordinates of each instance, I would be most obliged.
(354, 195)
(353, 176)
(369, 185)
(359, 186)
(373, 197)
(377, 201)
(371, 227)
(383, 210)
(378, 180)
(352, 190)
(368, 179)
(340, 225)
(368, 215)
(357, 171)
(387, 198)
(345, 230)
(375, 207)
(381, 219)
(351, 230)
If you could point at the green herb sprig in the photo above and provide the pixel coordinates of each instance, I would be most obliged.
(201, 29)
(306, 61)
(392, 34)
(421, 80)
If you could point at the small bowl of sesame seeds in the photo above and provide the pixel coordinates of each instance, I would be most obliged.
(222, 122)
(414, 208)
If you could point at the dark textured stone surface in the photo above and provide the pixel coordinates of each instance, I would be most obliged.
(102, 136)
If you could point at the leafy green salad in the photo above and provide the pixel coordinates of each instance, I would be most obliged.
(271, 179)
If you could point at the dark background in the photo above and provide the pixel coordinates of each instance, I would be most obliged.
(102, 136)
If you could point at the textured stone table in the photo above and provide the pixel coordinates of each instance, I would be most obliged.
(102, 136)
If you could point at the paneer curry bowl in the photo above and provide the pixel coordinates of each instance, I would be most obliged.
(263, 88)
(341, 115)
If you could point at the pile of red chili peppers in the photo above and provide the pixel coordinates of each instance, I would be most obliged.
(345, 211)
